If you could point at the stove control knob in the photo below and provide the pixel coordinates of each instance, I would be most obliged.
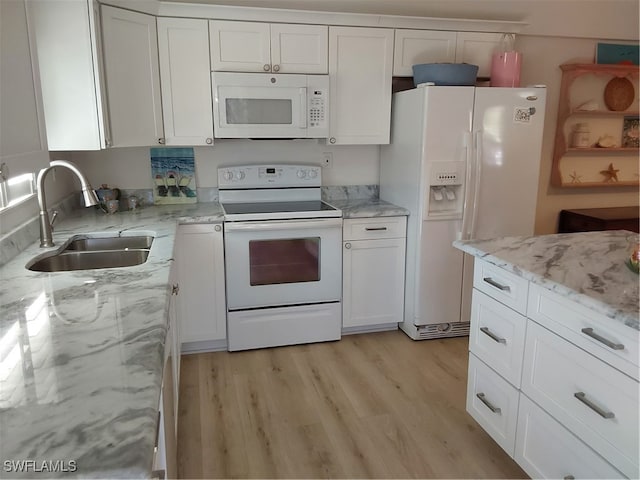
(313, 173)
(302, 173)
(240, 175)
(228, 175)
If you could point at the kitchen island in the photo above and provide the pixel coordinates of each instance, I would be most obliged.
(554, 352)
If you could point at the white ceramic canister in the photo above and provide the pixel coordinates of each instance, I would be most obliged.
(581, 137)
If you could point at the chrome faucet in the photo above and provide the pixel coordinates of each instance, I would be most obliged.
(89, 195)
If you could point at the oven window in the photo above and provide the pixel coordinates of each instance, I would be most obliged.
(284, 261)
(257, 111)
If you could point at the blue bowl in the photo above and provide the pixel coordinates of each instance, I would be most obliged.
(445, 73)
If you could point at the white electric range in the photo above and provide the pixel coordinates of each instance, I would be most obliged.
(283, 256)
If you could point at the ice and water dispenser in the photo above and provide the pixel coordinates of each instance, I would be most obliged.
(445, 199)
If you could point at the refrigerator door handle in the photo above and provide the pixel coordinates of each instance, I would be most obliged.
(466, 208)
(477, 144)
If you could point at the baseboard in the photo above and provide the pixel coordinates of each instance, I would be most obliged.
(382, 327)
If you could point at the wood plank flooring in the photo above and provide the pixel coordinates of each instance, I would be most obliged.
(376, 405)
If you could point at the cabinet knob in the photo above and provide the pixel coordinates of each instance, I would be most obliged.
(347, 245)
(161, 141)
(217, 228)
(209, 141)
(266, 67)
(276, 68)
(332, 140)
(175, 289)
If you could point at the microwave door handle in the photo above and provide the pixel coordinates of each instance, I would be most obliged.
(303, 107)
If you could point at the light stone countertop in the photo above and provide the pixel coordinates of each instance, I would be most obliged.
(82, 352)
(366, 208)
(587, 267)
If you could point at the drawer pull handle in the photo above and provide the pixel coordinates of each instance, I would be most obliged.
(492, 335)
(372, 229)
(492, 282)
(590, 333)
(569, 477)
(488, 403)
(583, 398)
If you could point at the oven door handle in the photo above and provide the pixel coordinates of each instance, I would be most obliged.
(298, 224)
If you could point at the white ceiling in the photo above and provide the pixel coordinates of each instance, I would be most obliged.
(613, 19)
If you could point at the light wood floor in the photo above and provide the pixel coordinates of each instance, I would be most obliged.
(369, 406)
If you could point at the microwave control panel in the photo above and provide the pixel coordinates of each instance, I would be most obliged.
(317, 116)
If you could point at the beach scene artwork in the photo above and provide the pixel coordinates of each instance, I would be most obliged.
(173, 173)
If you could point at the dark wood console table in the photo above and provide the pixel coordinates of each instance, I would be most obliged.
(590, 219)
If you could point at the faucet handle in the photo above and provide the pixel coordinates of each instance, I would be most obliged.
(54, 217)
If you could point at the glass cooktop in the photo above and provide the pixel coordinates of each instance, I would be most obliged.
(276, 207)
(238, 212)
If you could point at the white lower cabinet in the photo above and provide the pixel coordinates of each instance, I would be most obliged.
(202, 305)
(545, 449)
(596, 402)
(373, 273)
(165, 458)
(558, 389)
(493, 403)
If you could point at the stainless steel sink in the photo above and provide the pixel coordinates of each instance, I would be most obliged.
(67, 260)
(84, 252)
(92, 244)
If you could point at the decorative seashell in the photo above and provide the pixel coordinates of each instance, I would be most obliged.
(606, 141)
(589, 106)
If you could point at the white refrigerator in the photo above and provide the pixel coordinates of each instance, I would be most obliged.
(465, 162)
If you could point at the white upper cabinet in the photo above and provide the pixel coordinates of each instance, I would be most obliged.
(185, 78)
(69, 57)
(132, 77)
(477, 49)
(263, 47)
(299, 48)
(427, 46)
(413, 47)
(360, 74)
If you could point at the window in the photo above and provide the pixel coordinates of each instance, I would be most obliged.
(15, 190)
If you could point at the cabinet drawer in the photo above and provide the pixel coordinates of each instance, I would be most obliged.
(608, 339)
(504, 286)
(493, 403)
(545, 449)
(594, 401)
(497, 336)
(376, 227)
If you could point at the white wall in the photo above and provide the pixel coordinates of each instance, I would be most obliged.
(541, 59)
(130, 168)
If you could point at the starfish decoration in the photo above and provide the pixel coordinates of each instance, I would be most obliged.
(610, 174)
(575, 178)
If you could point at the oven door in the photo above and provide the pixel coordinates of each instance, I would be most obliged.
(277, 263)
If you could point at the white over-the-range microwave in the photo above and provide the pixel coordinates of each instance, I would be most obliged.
(261, 105)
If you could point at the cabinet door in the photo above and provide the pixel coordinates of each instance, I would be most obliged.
(545, 449)
(132, 77)
(72, 96)
(360, 70)
(373, 282)
(421, 46)
(185, 74)
(477, 49)
(594, 401)
(202, 307)
(299, 48)
(240, 46)
(493, 403)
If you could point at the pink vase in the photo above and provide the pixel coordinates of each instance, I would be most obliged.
(505, 69)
